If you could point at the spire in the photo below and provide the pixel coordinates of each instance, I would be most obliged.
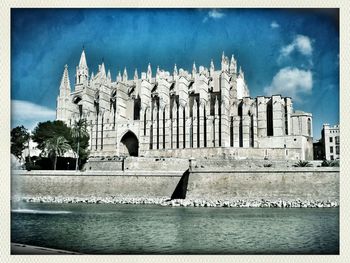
(224, 62)
(65, 85)
(109, 79)
(149, 72)
(233, 65)
(241, 73)
(92, 76)
(82, 71)
(175, 70)
(136, 75)
(125, 75)
(119, 77)
(194, 69)
(157, 72)
(82, 62)
(212, 68)
(103, 70)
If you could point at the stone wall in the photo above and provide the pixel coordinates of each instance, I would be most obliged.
(314, 183)
(94, 184)
(136, 164)
(228, 152)
(155, 164)
(265, 183)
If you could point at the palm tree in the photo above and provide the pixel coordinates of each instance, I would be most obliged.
(301, 163)
(57, 146)
(79, 130)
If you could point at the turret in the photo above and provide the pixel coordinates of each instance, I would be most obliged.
(194, 70)
(65, 85)
(157, 73)
(109, 79)
(241, 74)
(175, 71)
(224, 62)
(125, 75)
(149, 73)
(62, 111)
(82, 71)
(233, 66)
(212, 68)
(103, 71)
(119, 77)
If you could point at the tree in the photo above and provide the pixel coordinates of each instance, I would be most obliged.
(79, 131)
(50, 129)
(301, 163)
(56, 146)
(19, 138)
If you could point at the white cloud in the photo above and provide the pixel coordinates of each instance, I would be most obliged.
(214, 14)
(300, 43)
(290, 82)
(29, 114)
(274, 24)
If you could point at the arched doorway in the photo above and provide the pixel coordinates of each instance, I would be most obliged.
(129, 145)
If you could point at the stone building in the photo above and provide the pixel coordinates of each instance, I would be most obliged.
(203, 113)
(331, 142)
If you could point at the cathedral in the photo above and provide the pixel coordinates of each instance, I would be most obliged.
(204, 113)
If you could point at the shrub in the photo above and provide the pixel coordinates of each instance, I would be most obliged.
(301, 163)
(326, 163)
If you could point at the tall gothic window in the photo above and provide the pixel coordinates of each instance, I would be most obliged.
(269, 118)
(137, 108)
(240, 114)
(286, 117)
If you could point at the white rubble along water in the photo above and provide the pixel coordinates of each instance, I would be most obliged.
(165, 201)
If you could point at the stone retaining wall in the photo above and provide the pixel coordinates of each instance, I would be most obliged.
(93, 184)
(265, 183)
(315, 183)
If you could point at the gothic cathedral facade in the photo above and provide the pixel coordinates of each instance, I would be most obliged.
(203, 113)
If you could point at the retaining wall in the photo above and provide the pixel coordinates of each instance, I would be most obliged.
(287, 184)
(314, 183)
(97, 184)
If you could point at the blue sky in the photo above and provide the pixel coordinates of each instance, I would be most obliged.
(292, 52)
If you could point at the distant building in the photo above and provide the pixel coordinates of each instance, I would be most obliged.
(31, 151)
(206, 112)
(331, 141)
(328, 147)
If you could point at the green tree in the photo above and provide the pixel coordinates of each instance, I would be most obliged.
(50, 129)
(19, 138)
(55, 147)
(79, 132)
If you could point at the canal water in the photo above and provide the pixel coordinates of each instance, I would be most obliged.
(148, 229)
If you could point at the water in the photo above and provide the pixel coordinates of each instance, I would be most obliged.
(147, 229)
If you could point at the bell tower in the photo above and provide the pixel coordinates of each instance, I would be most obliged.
(82, 73)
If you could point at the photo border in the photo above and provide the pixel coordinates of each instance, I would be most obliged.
(5, 111)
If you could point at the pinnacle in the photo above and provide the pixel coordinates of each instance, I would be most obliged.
(82, 62)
